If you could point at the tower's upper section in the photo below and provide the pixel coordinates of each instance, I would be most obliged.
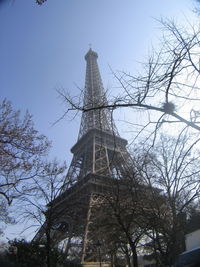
(94, 97)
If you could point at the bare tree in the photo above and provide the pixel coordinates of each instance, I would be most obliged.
(173, 167)
(21, 148)
(38, 205)
(121, 217)
(166, 91)
(146, 210)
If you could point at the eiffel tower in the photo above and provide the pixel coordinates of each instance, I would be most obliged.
(99, 156)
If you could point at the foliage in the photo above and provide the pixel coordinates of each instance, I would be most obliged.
(33, 254)
(5, 262)
(23, 253)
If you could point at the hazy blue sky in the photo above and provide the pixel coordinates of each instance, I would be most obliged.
(42, 49)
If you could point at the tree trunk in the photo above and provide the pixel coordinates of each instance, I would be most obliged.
(48, 249)
(128, 261)
(134, 256)
(48, 244)
(128, 258)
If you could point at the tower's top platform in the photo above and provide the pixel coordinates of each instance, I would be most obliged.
(91, 53)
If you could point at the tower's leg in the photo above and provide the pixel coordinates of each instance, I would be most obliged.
(93, 253)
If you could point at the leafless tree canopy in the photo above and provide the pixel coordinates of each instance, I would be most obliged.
(166, 91)
(21, 148)
(173, 167)
(35, 204)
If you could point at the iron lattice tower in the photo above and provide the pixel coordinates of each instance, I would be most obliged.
(99, 146)
(98, 156)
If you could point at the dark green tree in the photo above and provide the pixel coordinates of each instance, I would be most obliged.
(32, 254)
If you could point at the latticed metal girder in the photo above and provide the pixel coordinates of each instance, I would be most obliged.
(98, 152)
(91, 238)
